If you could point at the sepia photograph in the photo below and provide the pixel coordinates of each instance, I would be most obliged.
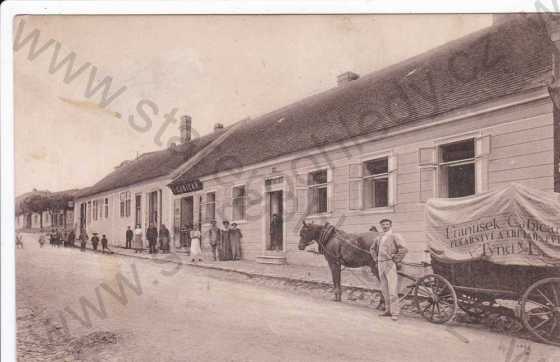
(285, 187)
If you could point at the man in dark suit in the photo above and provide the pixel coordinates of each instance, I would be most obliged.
(152, 235)
(129, 235)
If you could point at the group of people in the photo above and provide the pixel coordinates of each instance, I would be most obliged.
(135, 240)
(84, 238)
(225, 243)
(58, 238)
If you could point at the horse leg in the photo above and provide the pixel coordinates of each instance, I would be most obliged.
(335, 271)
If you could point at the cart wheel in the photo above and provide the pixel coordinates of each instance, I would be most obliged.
(435, 298)
(540, 310)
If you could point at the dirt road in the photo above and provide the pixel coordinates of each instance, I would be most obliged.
(166, 312)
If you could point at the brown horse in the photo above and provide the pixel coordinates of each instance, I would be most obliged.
(340, 249)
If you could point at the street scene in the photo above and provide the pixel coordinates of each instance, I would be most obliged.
(170, 313)
(291, 188)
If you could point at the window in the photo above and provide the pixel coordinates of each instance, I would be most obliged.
(122, 197)
(106, 208)
(239, 200)
(89, 212)
(456, 169)
(94, 210)
(138, 209)
(127, 204)
(375, 183)
(317, 192)
(210, 205)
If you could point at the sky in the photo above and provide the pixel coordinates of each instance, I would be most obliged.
(217, 69)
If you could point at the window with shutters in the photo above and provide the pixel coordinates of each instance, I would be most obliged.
(372, 183)
(210, 207)
(456, 169)
(106, 208)
(375, 183)
(239, 203)
(317, 195)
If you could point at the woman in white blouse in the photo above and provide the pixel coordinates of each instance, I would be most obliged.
(196, 251)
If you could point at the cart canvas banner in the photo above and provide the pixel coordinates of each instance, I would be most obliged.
(515, 225)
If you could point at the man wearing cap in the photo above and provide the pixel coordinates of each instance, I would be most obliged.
(389, 250)
(214, 239)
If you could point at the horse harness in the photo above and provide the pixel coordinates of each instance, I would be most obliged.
(325, 236)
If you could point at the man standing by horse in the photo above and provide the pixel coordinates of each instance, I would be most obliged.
(388, 251)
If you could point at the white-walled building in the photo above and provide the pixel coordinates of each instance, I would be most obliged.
(135, 193)
(464, 118)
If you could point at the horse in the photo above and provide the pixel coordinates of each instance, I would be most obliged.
(339, 249)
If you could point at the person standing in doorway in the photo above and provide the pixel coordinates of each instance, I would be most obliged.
(129, 235)
(388, 250)
(235, 237)
(196, 250)
(276, 227)
(94, 241)
(214, 239)
(138, 244)
(225, 244)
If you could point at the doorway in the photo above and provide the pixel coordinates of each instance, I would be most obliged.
(187, 220)
(154, 208)
(83, 212)
(275, 220)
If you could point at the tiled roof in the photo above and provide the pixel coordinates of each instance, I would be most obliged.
(150, 165)
(497, 61)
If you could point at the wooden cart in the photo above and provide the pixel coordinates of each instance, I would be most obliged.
(476, 286)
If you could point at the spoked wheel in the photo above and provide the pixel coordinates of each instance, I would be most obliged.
(435, 298)
(540, 310)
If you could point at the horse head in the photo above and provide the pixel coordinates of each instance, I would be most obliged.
(307, 235)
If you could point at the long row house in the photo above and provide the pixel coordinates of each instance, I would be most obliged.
(467, 117)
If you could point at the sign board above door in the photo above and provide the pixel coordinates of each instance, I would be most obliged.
(186, 187)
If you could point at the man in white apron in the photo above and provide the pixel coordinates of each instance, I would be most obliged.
(388, 250)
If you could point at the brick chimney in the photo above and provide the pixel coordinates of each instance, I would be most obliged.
(218, 127)
(346, 77)
(185, 128)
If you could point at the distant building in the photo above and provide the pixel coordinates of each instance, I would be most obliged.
(57, 212)
(136, 192)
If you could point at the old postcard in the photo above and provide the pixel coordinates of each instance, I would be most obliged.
(367, 187)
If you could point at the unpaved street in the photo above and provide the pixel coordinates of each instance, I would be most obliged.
(183, 313)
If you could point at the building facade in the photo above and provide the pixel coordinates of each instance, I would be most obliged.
(379, 146)
(135, 193)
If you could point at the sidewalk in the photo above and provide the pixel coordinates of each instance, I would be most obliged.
(361, 278)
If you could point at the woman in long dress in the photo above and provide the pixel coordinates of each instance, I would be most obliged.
(138, 244)
(196, 251)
